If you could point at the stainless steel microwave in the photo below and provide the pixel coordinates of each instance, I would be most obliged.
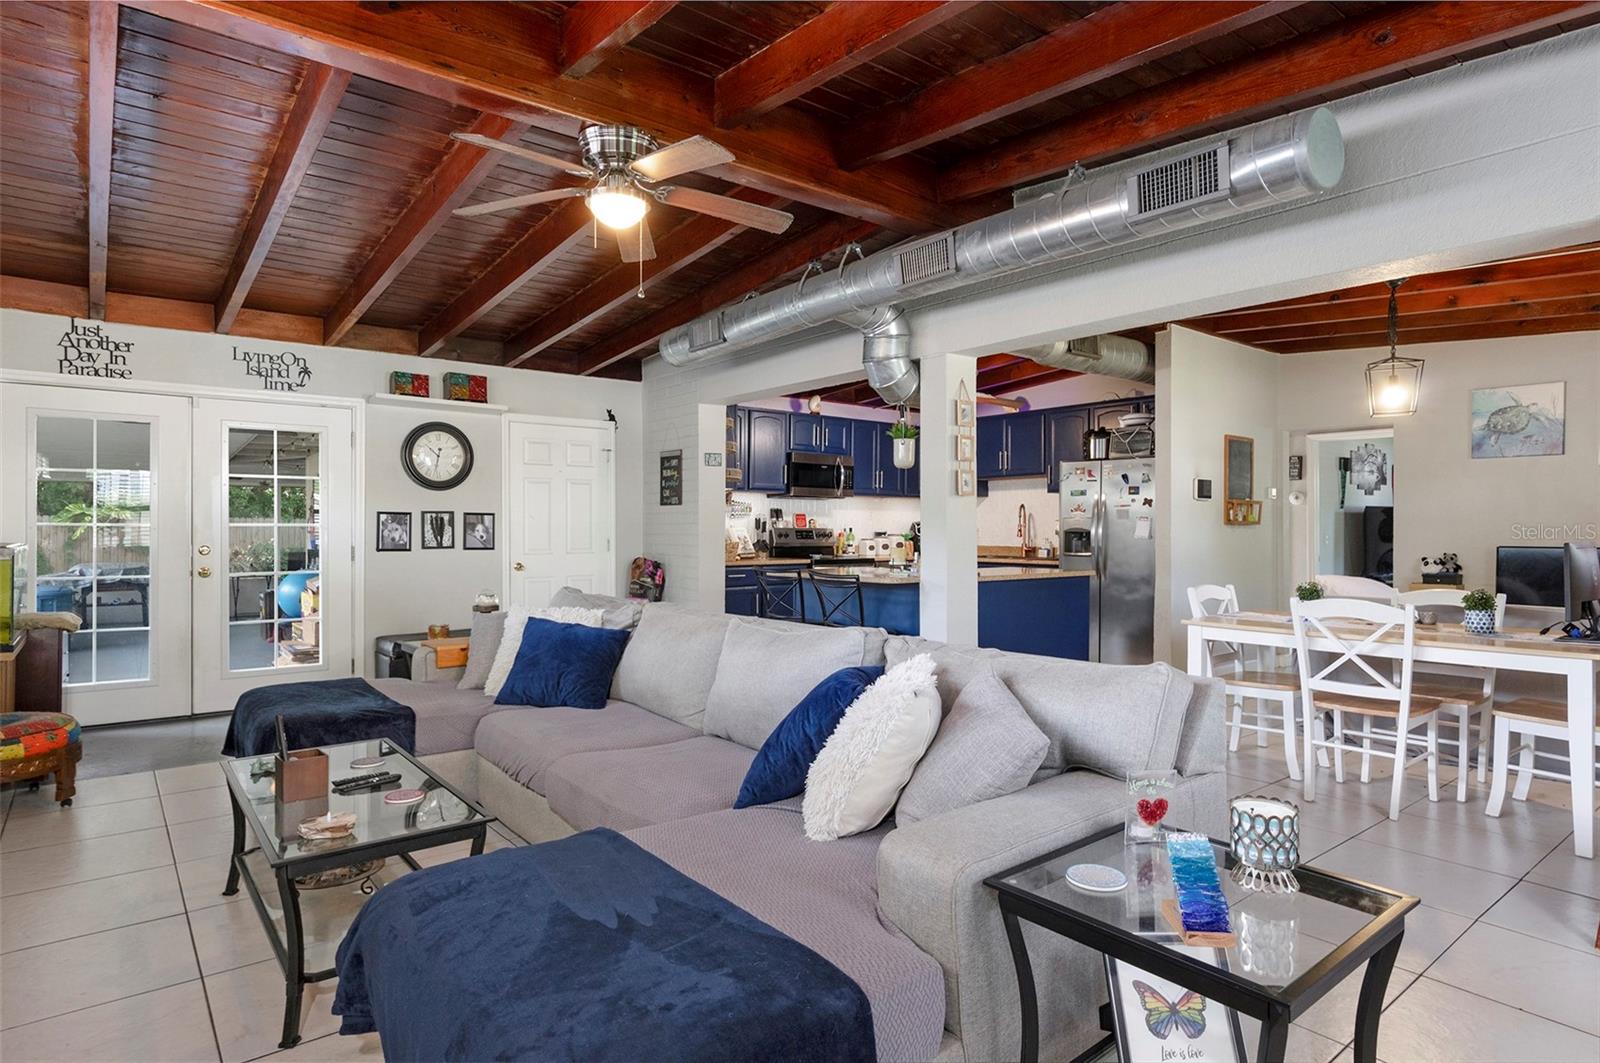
(819, 476)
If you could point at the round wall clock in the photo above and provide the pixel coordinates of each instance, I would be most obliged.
(437, 455)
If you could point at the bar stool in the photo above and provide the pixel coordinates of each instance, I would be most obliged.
(1530, 719)
(780, 596)
(839, 600)
(1255, 686)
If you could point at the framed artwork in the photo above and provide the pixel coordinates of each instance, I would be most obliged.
(438, 529)
(477, 531)
(966, 483)
(672, 477)
(1526, 420)
(964, 447)
(1239, 466)
(394, 531)
(966, 409)
(1160, 1021)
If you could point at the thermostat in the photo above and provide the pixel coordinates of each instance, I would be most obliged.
(1202, 490)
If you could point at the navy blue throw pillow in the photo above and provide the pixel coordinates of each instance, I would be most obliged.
(779, 770)
(563, 664)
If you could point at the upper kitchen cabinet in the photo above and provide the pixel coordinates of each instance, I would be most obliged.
(767, 450)
(737, 446)
(1063, 431)
(1011, 445)
(873, 457)
(811, 433)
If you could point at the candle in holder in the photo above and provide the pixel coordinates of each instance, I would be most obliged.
(1265, 841)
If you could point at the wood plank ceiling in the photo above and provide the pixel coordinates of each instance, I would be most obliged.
(286, 170)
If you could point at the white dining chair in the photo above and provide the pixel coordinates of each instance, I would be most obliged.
(1321, 692)
(1361, 587)
(1249, 690)
(1526, 719)
(1475, 697)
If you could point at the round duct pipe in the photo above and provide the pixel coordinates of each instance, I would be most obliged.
(1115, 356)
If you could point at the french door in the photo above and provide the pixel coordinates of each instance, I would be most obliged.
(273, 547)
(559, 517)
(96, 484)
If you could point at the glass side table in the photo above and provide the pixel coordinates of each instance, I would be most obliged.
(1292, 948)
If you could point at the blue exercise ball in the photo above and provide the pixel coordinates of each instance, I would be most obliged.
(289, 588)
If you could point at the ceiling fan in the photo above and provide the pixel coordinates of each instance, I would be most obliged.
(626, 168)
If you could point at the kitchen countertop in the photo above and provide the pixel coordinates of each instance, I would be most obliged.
(902, 578)
(986, 559)
(1012, 559)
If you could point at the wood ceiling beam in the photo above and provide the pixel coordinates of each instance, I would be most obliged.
(1109, 42)
(842, 37)
(315, 102)
(457, 176)
(102, 97)
(1021, 374)
(683, 246)
(592, 30)
(787, 257)
(501, 58)
(1337, 60)
(539, 248)
(1438, 319)
(1494, 330)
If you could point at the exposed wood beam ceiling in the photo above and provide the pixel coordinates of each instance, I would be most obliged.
(285, 170)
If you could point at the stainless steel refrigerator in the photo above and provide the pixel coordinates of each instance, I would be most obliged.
(1108, 530)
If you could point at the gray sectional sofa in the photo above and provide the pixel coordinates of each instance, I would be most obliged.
(901, 910)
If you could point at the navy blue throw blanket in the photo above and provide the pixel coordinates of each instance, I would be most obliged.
(588, 948)
(327, 712)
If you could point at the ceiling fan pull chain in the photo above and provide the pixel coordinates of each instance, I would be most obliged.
(641, 262)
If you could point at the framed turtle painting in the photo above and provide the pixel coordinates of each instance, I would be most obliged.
(1524, 420)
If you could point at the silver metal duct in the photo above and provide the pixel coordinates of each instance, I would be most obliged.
(1107, 355)
(1279, 161)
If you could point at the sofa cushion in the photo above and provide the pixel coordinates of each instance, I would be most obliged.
(524, 743)
(873, 637)
(766, 669)
(986, 747)
(1115, 719)
(481, 648)
(563, 664)
(823, 896)
(627, 788)
(620, 613)
(447, 717)
(779, 770)
(505, 656)
(671, 662)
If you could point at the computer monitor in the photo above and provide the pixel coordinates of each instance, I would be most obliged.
(1581, 561)
(1530, 575)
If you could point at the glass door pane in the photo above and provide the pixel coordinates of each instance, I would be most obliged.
(273, 510)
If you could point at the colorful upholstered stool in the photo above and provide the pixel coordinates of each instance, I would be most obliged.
(36, 744)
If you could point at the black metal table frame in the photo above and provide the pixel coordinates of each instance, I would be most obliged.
(1378, 941)
(290, 946)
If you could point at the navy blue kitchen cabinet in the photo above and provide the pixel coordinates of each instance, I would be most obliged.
(811, 433)
(1011, 445)
(738, 449)
(1063, 430)
(873, 454)
(864, 456)
(991, 447)
(740, 595)
(910, 479)
(767, 453)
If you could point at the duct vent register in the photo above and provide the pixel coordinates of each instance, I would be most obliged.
(928, 260)
(1185, 182)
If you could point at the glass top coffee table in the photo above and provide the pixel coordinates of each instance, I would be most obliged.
(1292, 948)
(293, 864)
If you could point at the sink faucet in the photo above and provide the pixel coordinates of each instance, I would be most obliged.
(1022, 526)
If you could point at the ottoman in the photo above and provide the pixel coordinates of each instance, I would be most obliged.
(36, 744)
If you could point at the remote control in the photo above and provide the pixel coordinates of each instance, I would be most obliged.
(361, 782)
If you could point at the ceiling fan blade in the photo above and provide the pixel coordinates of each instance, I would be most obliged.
(636, 245)
(577, 169)
(496, 205)
(737, 210)
(696, 153)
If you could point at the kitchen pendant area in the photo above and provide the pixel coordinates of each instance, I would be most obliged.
(822, 525)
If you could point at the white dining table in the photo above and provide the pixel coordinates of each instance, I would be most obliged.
(1514, 650)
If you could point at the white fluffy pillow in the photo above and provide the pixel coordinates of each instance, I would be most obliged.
(511, 640)
(870, 756)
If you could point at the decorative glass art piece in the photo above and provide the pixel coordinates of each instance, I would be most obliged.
(1265, 840)
(466, 387)
(1148, 804)
(415, 384)
(1202, 908)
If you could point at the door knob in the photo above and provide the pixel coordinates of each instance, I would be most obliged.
(517, 567)
(204, 551)
(204, 572)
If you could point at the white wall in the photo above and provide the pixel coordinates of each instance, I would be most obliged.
(1207, 388)
(402, 591)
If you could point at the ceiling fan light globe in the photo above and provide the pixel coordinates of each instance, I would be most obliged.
(617, 208)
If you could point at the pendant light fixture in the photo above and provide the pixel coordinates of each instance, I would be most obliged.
(1393, 383)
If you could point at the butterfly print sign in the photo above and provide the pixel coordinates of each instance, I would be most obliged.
(1159, 1021)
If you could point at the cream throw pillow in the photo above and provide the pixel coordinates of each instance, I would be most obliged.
(869, 758)
(511, 640)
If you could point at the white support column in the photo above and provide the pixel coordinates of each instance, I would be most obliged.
(949, 606)
(710, 510)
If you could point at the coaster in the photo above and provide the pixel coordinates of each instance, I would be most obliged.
(403, 797)
(367, 763)
(1096, 878)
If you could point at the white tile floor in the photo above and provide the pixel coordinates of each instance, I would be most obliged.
(115, 943)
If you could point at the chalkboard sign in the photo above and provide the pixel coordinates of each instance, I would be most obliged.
(1239, 463)
(672, 477)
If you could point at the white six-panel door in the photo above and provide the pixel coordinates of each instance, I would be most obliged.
(558, 510)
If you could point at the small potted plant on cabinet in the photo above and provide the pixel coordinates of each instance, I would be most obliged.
(904, 435)
(1309, 591)
(1478, 612)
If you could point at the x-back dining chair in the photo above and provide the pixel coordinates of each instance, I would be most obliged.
(1475, 696)
(1248, 686)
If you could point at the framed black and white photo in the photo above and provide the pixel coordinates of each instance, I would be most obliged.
(477, 531)
(394, 531)
(1161, 1022)
(438, 529)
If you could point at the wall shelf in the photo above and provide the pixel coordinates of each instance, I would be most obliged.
(417, 402)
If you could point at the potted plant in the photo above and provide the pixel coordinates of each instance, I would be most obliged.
(1309, 591)
(1478, 612)
(904, 435)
